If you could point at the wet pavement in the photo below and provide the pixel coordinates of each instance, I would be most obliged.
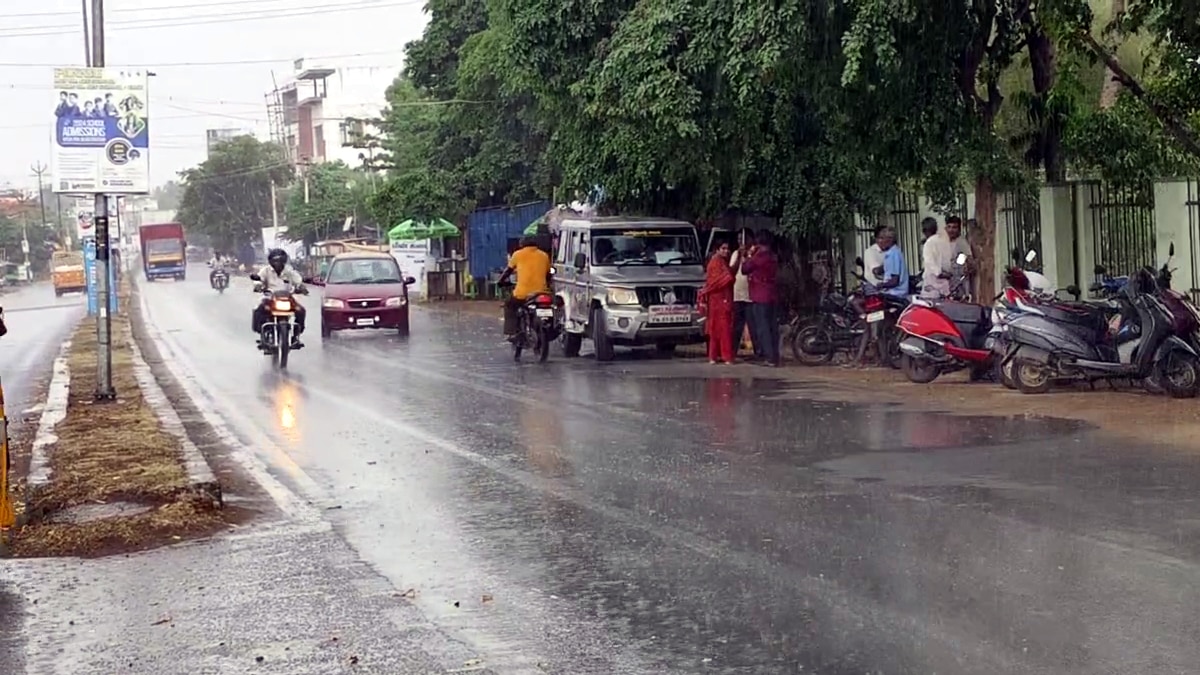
(37, 322)
(657, 516)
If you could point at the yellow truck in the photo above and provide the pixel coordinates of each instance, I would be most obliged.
(67, 271)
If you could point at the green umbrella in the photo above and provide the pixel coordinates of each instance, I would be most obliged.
(409, 229)
(532, 228)
(442, 228)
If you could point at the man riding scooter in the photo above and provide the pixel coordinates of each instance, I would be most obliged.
(278, 275)
(219, 264)
(532, 267)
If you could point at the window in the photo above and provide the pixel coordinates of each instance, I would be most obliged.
(645, 247)
(352, 131)
(562, 253)
(364, 271)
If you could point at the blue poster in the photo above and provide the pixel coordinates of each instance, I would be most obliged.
(93, 288)
(101, 131)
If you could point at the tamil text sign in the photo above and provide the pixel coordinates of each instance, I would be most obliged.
(101, 131)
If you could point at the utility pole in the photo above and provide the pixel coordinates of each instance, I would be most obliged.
(38, 170)
(104, 386)
(87, 45)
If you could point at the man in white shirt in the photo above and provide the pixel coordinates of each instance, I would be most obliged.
(959, 244)
(936, 258)
(873, 260)
(741, 291)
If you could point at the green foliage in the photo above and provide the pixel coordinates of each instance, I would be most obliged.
(228, 196)
(333, 193)
(168, 195)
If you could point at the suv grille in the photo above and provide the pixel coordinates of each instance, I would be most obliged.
(653, 295)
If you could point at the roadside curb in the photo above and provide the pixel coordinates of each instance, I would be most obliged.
(54, 411)
(201, 479)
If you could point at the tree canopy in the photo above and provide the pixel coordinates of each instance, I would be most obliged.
(228, 196)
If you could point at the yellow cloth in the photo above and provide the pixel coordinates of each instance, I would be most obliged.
(532, 266)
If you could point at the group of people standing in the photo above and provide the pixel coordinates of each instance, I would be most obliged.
(740, 291)
(884, 265)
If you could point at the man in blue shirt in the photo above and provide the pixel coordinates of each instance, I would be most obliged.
(895, 269)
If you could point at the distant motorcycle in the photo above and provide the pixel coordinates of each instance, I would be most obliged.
(220, 280)
(539, 323)
(276, 332)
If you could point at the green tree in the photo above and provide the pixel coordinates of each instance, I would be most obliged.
(320, 201)
(228, 196)
(168, 195)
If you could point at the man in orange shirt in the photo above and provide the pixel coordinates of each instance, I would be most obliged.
(532, 267)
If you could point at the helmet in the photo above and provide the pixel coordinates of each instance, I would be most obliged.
(277, 258)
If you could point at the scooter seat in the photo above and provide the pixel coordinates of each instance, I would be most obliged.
(964, 312)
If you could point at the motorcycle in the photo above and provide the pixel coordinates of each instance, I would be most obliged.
(841, 326)
(276, 332)
(1141, 343)
(220, 280)
(941, 336)
(539, 323)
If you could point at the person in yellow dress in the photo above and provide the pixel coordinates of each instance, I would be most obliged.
(532, 267)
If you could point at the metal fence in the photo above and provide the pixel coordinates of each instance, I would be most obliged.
(1193, 209)
(1021, 216)
(1122, 222)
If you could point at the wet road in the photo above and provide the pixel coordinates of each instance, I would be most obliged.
(37, 322)
(665, 517)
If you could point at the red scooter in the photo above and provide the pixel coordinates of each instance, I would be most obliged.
(942, 336)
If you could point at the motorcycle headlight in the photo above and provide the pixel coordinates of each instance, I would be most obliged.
(393, 302)
(622, 296)
(333, 303)
(283, 305)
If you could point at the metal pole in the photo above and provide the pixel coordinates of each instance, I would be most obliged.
(39, 169)
(104, 386)
(87, 43)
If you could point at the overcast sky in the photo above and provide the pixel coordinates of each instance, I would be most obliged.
(190, 45)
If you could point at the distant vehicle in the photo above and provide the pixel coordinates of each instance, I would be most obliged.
(163, 251)
(66, 271)
(363, 289)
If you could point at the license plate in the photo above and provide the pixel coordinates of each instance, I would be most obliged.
(670, 314)
(545, 312)
(875, 317)
(366, 322)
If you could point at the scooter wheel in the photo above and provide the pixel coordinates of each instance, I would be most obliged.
(1178, 375)
(1004, 374)
(919, 371)
(1031, 378)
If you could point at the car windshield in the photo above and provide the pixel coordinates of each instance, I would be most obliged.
(363, 272)
(661, 246)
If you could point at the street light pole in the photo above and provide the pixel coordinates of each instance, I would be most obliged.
(38, 170)
(104, 385)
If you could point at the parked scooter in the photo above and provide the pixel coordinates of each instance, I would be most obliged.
(942, 336)
(1141, 343)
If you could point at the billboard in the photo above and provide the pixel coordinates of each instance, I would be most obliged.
(101, 132)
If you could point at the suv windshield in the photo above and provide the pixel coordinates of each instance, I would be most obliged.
(363, 272)
(659, 246)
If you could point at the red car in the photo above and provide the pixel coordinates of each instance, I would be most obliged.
(364, 290)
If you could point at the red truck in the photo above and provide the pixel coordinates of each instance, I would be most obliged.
(163, 251)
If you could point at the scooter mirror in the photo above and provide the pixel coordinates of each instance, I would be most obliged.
(961, 259)
(1171, 250)
(1016, 254)
(1100, 269)
(1031, 256)
(858, 261)
(1073, 290)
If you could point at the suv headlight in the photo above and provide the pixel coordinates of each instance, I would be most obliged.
(393, 302)
(622, 296)
(333, 303)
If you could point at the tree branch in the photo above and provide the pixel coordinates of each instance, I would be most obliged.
(1174, 125)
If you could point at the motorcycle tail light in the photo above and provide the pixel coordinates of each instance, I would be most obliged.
(874, 303)
(544, 300)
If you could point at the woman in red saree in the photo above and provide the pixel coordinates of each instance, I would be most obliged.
(717, 300)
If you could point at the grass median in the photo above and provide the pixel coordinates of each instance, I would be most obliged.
(117, 479)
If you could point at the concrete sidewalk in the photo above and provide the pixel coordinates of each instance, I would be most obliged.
(285, 598)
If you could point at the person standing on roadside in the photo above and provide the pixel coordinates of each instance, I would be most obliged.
(959, 244)
(873, 260)
(741, 292)
(935, 259)
(895, 269)
(717, 300)
(762, 268)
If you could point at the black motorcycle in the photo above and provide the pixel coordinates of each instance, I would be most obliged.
(220, 280)
(539, 323)
(275, 334)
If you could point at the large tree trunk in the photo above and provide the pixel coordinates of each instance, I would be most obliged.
(1112, 83)
(983, 239)
(1043, 61)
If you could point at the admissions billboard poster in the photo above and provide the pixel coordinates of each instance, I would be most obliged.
(101, 131)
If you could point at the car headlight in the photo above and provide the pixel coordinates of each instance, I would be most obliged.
(622, 296)
(393, 302)
(333, 303)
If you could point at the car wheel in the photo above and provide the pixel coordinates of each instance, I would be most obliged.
(326, 331)
(600, 340)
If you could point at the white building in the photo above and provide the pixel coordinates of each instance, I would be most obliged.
(213, 137)
(321, 111)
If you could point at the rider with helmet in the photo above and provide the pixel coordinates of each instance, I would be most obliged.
(532, 267)
(278, 275)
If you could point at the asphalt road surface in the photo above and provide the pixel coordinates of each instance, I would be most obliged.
(652, 516)
(37, 322)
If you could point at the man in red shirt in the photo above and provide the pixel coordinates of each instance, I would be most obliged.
(762, 268)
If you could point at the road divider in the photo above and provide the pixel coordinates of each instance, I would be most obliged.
(116, 476)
